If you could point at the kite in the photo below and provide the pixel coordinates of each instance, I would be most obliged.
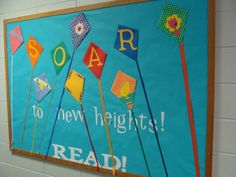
(173, 23)
(16, 40)
(124, 87)
(42, 89)
(34, 50)
(79, 28)
(127, 43)
(75, 85)
(60, 56)
(95, 59)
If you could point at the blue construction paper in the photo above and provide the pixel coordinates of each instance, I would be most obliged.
(130, 47)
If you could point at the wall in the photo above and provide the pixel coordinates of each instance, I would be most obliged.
(225, 113)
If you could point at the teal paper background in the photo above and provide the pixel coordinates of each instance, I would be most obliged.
(160, 62)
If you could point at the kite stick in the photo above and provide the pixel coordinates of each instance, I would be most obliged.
(90, 139)
(27, 108)
(59, 106)
(12, 132)
(152, 119)
(35, 126)
(190, 110)
(140, 142)
(47, 114)
(107, 127)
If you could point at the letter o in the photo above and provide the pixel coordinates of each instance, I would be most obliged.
(61, 63)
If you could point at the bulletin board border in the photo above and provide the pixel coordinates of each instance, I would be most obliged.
(211, 87)
(211, 83)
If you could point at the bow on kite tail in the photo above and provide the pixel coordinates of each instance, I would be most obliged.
(190, 110)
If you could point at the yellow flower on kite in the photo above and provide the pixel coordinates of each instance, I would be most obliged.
(124, 87)
(41, 86)
(125, 90)
(173, 24)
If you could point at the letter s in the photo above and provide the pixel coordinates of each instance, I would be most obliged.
(33, 52)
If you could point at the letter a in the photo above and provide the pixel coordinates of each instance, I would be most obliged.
(94, 57)
(129, 41)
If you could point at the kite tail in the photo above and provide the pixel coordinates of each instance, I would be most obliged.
(190, 110)
(12, 132)
(89, 135)
(59, 106)
(46, 118)
(152, 119)
(107, 127)
(35, 127)
(141, 144)
(26, 109)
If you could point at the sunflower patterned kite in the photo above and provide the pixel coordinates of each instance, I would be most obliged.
(173, 22)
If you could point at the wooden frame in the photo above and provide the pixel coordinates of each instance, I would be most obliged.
(211, 87)
(211, 76)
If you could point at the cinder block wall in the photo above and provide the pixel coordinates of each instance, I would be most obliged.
(224, 164)
(225, 97)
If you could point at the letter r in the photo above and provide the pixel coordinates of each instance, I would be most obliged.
(129, 41)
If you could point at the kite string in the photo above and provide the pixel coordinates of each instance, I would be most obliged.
(89, 135)
(59, 106)
(47, 114)
(35, 127)
(141, 144)
(12, 111)
(190, 110)
(152, 119)
(107, 127)
(27, 108)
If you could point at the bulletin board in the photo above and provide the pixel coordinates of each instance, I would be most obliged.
(124, 88)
